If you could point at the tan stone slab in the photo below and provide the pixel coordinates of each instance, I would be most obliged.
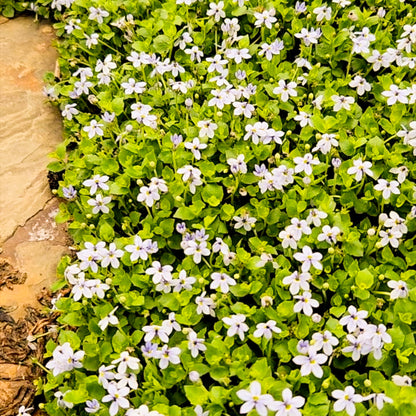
(29, 127)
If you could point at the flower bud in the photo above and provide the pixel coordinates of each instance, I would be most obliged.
(108, 281)
(139, 182)
(331, 250)
(194, 376)
(266, 301)
(92, 226)
(381, 277)
(316, 318)
(201, 280)
(367, 382)
(371, 231)
(89, 216)
(152, 164)
(326, 383)
(306, 180)
(325, 286)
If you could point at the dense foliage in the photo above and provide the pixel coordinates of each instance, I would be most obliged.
(239, 179)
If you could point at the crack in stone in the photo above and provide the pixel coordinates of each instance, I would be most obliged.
(26, 221)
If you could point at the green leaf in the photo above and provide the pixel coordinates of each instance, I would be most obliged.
(212, 194)
(162, 43)
(106, 232)
(364, 279)
(196, 394)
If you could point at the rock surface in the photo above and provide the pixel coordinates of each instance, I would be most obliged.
(30, 129)
(31, 243)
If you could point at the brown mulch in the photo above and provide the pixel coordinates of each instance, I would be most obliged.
(17, 370)
(10, 276)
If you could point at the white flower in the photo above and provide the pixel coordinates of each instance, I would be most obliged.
(346, 400)
(205, 305)
(360, 168)
(237, 54)
(329, 234)
(168, 355)
(94, 128)
(97, 182)
(254, 399)
(401, 380)
(207, 128)
(387, 188)
(401, 171)
(341, 101)
(399, 287)
(355, 319)
(325, 341)
(236, 325)
(266, 329)
(265, 18)
(305, 303)
(360, 84)
(244, 221)
(297, 281)
(396, 94)
(117, 398)
(222, 281)
(63, 404)
(92, 406)
(24, 411)
(217, 64)
(286, 90)
(109, 319)
(311, 363)
(126, 361)
(197, 250)
(243, 108)
(315, 217)
(237, 165)
(308, 259)
(304, 119)
(69, 111)
(198, 409)
(143, 410)
(100, 204)
(289, 406)
(195, 146)
(325, 144)
(380, 399)
(216, 10)
(152, 331)
(305, 163)
(323, 12)
(64, 359)
(359, 345)
(148, 195)
(111, 256)
(289, 239)
(195, 344)
(391, 237)
(98, 14)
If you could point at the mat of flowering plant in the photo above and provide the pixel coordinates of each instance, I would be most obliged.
(239, 184)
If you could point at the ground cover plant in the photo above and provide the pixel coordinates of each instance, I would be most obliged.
(239, 179)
